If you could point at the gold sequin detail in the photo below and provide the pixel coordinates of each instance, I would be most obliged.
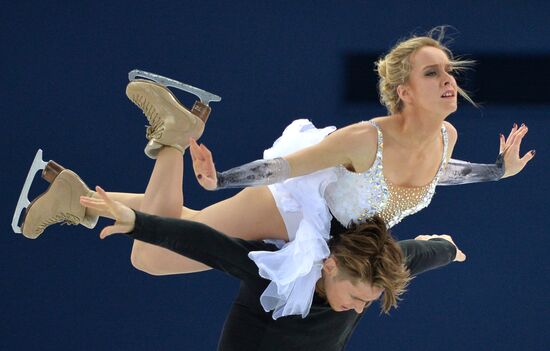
(393, 202)
(402, 200)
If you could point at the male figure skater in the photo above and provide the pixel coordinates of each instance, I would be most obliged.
(365, 264)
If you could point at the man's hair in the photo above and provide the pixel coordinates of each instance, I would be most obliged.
(367, 252)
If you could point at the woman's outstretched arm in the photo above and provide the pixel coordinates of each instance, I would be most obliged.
(507, 164)
(347, 146)
(458, 172)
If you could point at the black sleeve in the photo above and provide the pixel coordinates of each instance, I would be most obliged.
(200, 243)
(422, 255)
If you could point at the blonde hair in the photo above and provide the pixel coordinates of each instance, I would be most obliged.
(394, 68)
(368, 253)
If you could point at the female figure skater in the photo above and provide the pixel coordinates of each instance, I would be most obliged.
(388, 166)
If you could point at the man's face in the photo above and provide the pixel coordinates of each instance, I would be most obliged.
(342, 294)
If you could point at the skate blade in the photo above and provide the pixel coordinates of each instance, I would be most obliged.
(203, 95)
(37, 165)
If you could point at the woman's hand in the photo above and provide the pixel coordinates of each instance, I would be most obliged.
(124, 216)
(509, 147)
(460, 256)
(203, 165)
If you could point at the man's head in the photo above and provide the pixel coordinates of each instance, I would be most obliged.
(365, 264)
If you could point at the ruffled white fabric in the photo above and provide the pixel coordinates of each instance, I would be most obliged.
(296, 267)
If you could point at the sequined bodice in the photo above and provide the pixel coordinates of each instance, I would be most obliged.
(355, 197)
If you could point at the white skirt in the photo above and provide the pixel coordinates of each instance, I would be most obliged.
(296, 267)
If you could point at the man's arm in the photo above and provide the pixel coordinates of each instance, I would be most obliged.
(199, 242)
(427, 253)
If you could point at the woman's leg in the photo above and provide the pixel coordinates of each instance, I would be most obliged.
(251, 214)
(163, 197)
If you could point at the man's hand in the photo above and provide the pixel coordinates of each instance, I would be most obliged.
(124, 216)
(460, 256)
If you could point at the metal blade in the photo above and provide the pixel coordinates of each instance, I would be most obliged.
(203, 95)
(37, 165)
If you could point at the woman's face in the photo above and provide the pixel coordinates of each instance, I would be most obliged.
(342, 294)
(431, 85)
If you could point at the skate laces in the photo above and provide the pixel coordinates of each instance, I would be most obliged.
(156, 127)
(147, 108)
(64, 218)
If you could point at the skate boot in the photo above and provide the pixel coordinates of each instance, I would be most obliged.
(170, 122)
(59, 204)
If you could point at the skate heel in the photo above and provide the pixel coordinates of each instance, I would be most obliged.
(51, 171)
(201, 110)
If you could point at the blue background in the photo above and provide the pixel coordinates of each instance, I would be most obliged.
(64, 71)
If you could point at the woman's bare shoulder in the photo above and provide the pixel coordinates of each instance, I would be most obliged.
(361, 132)
(361, 140)
(380, 120)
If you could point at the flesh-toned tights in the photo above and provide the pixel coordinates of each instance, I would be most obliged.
(251, 215)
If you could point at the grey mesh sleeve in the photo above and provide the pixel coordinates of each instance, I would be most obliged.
(256, 173)
(461, 172)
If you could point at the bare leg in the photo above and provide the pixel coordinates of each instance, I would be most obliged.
(251, 214)
(163, 197)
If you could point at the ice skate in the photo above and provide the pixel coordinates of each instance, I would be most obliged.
(59, 204)
(171, 123)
